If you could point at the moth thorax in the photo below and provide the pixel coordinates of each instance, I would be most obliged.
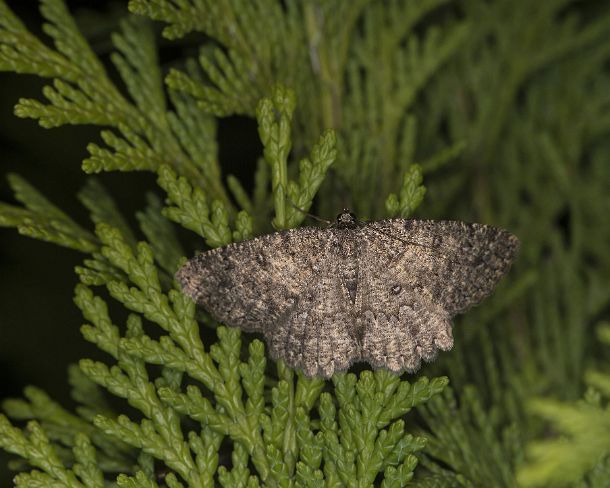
(346, 220)
(348, 250)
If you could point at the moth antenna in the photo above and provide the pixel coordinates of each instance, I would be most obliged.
(312, 216)
(411, 243)
(362, 223)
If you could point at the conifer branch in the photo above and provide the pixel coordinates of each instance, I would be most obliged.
(463, 434)
(274, 120)
(82, 93)
(161, 235)
(190, 209)
(40, 219)
(411, 194)
(584, 426)
(36, 447)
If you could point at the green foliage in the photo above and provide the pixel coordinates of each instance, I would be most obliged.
(35, 446)
(281, 430)
(328, 54)
(473, 447)
(411, 194)
(502, 107)
(274, 117)
(191, 210)
(584, 445)
(146, 135)
(40, 219)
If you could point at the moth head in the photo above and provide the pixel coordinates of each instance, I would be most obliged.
(346, 220)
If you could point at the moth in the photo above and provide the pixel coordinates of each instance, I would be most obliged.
(383, 292)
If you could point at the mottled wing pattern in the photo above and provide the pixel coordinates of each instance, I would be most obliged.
(251, 284)
(383, 292)
(316, 335)
(284, 285)
(414, 276)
